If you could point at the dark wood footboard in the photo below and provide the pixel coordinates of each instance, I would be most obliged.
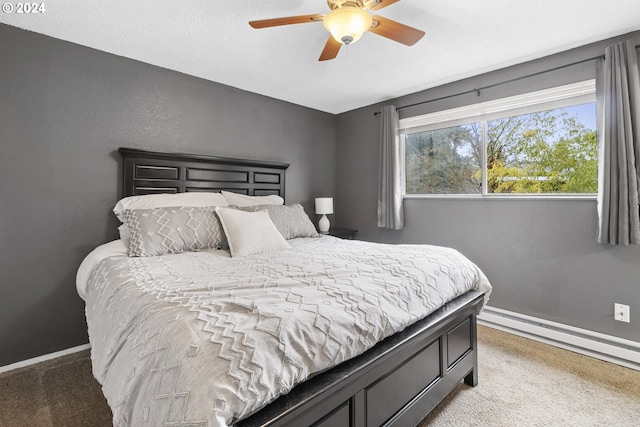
(397, 382)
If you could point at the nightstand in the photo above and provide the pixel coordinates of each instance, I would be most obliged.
(343, 233)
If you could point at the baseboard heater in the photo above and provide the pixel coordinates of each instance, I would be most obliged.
(601, 346)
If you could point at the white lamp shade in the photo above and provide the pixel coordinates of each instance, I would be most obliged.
(324, 205)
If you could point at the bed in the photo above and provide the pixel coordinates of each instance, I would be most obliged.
(314, 331)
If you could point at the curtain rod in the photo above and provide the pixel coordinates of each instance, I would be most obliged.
(478, 90)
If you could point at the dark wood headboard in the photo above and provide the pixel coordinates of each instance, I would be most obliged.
(149, 172)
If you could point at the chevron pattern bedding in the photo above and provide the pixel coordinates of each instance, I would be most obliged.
(202, 339)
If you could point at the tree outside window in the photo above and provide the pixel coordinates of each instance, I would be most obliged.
(546, 152)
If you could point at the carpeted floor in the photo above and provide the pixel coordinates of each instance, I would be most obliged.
(59, 392)
(527, 383)
(522, 383)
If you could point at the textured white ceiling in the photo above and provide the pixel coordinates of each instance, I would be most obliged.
(211, 39)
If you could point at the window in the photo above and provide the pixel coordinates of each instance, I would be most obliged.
(538, 143)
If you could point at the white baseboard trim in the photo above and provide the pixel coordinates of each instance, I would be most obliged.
(43, 358)
(604, 347)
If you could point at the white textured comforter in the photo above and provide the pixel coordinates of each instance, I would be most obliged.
(202, 339)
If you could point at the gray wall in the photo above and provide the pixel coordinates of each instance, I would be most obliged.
(64, 111)
(540, 255)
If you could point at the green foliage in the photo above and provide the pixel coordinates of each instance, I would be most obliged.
(545, 152)
(444, 161)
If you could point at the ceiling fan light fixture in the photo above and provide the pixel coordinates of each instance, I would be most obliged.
(347, 24)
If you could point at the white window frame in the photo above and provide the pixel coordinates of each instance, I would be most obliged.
(548, 99)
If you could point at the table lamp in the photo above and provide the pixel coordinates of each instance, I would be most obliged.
(324, 206)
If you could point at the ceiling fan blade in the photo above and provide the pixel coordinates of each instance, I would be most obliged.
(383, 4)
(275, 22)
(330, 50)
(395, 31)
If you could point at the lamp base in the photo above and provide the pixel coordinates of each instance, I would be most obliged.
(323, 225)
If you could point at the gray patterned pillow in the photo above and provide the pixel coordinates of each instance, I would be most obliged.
(172, 230)
(290, 220)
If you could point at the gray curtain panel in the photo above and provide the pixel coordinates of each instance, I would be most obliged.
(619, 151)
(390, 210)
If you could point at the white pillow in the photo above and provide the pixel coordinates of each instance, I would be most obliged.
(152, 201)
(250, 233)
(242, 200)
(124, 234)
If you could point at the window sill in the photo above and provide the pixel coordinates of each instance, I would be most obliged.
(545, 197)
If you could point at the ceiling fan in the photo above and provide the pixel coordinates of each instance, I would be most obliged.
(347, 21)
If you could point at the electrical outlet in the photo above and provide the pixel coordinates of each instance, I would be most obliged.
(621, 312)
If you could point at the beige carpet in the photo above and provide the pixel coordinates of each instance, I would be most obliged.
(59, 392)
(527, 383)
(522, 383)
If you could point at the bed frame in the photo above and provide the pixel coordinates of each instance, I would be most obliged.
(397, 382)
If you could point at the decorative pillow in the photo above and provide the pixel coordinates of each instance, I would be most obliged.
(242, 200)
(152, 201)
(250, 233)
(290, 220)
(170, 230)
